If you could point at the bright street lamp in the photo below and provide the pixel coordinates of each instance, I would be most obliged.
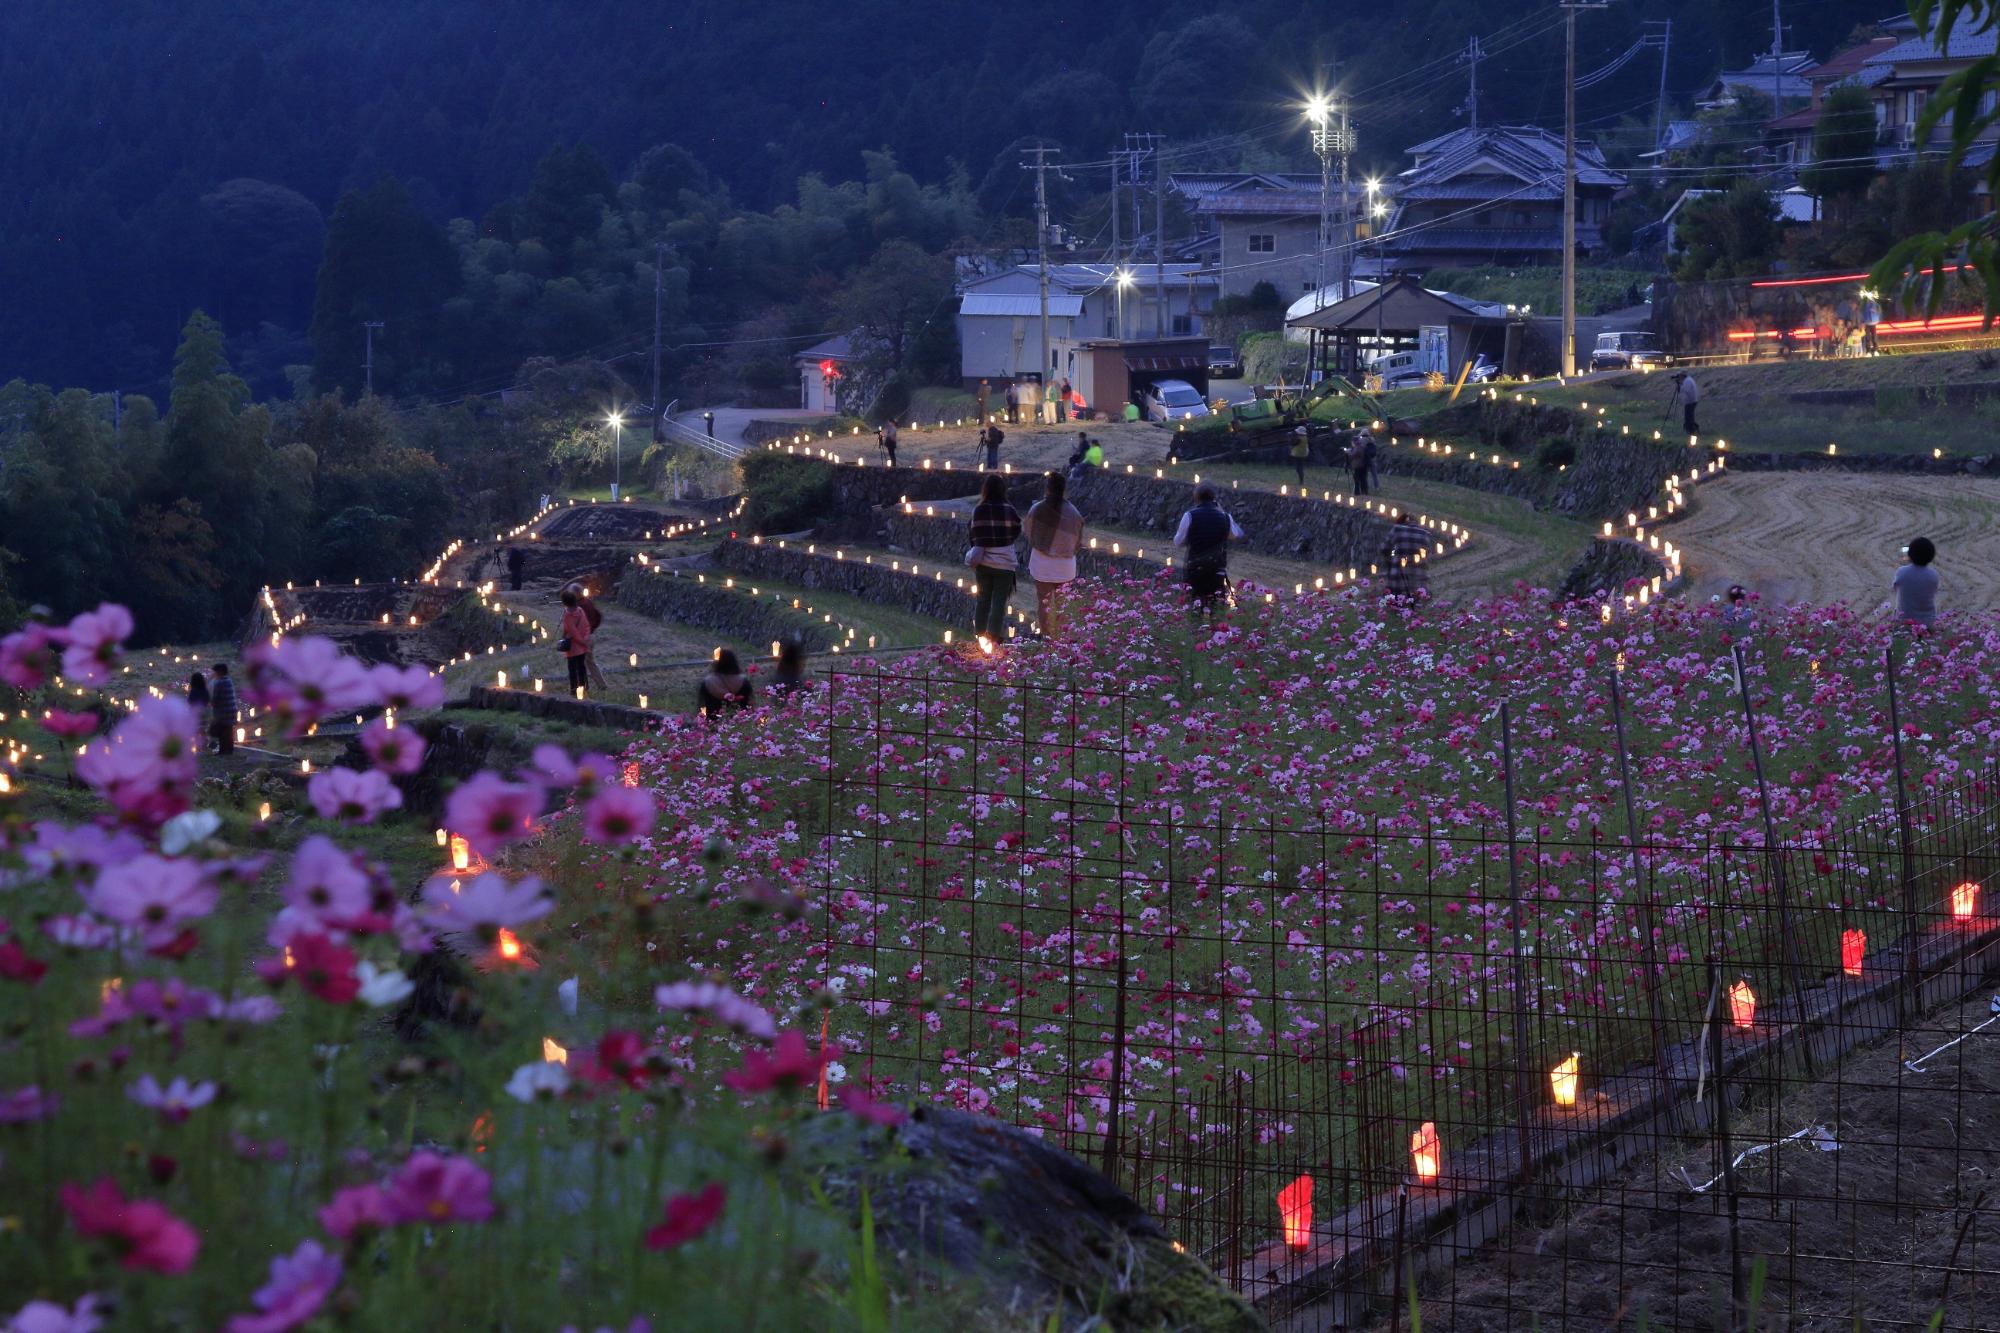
(1124, 276)
(617, 424)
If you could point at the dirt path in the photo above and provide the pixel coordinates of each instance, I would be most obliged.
(1825, 538)
(1865, 1232)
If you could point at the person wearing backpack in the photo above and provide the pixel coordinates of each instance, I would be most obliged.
(1206, 531)
(1361, 460)
(595, 617)
(992, 442)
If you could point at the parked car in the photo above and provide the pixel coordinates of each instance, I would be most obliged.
(1401, 370)
(1174, 400)
(1223, 363)
(1630, 350)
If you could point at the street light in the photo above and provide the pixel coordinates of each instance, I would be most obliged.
(1319, 114)
(1124, 276)
(617, 424)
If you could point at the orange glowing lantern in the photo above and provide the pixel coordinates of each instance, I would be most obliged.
(482, 1131)
(821, 1100)
(553, 1052)
(1295, 1210)
(1853, 948)
(1963, 899)
(461, 853)
(509, 945)
(1742, 1004)
(1424, 1152)
(1563, 1080)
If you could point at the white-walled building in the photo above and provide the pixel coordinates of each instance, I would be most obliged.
(1000, 326)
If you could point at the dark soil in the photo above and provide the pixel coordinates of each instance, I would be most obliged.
(1903, 1217)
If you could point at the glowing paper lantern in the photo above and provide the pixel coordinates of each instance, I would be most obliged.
(1963, 899)
(461, 853)
(1424, 1152)
(1742, 1004)
(441, 837)
(1295, 1211)
(553, 1053)
(1563, 1079)
(509, 945)
(1853, 948)
(821, 1099)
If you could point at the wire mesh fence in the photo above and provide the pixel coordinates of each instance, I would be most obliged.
(1371, 1066)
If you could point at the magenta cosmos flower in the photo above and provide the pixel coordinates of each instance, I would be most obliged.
(326, 883)
(492, 812)
(618, 814)
(485, 902)
(96, 643)
(406, 687)
(153, 895)
(300, 1283)
(28, 658)
(392, 749)
(353, 795)
(146, 1235)
(357, 1208)
(435, 1188)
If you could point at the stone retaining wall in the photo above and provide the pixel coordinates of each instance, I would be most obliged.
(560, 707)
(942, 599)
(683, 599)
(1979, 465)
(1609, 563)
(942, 537)
(1319, 531)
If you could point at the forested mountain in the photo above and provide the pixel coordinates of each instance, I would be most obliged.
(161, 158)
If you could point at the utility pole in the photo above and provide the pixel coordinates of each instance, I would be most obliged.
(1473, 55)
(1346, 207)
(1160, 237)
(368, 328)
(659, 262)
(1777, 45)
(1117, 250)
(1319, 112)
(1660, 106)
(1570, 8)
(1040, 166)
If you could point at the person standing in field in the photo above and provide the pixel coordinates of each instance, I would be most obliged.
(1301, 453)
(222, 709)
(985, 392)
(517, 560)
(1916, 584)
(991, 439)
(1055, 531)
(1403, 556)
(197, 698)
(996, 526)
(886, 437)
(596, 619)
(1687, 393)
(1013, 403)
(575, 643)
(1206, 531)
(1361, 460)
(1062, 401)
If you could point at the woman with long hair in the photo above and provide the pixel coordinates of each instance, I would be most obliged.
(1055, 531)
(995, 528)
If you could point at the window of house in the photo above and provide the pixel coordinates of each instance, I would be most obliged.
(1183, 324)
(1263, 242)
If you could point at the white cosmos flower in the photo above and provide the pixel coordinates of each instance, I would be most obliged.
(380, 986)
(543, 1080)
(190, 828)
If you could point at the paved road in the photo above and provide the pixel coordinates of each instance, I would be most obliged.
(731, 421)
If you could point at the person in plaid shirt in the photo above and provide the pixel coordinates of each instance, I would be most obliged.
(1404, 554)
(995, 528)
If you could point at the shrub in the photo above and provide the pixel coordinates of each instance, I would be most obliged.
(783, 492)
(1557, 452)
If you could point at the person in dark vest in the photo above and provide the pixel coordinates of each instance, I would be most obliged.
(222, 709)
(517, 560)
(985, 392)
(886, 437)
(1361, 460)
(1063, 392)
(1013, 403)
(1206, 531)
(990, 438)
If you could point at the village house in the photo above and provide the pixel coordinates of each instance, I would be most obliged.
(999, 315)
(1493, 196)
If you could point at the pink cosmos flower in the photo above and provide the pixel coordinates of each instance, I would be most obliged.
(300, 1283)
(147, 766)
(392, 749)
(856, 1102)
(688, 1216)
(69, 726)
(724, 1004)
(325, 969)
(153, 896)
(352, 795)
(96, 644)
(326, 883)
(485, 902)
(175, 1101)
(28, 658)
(407, 687)
(48, 1317)
(551, 766)
(146, 1235)
(81, 850)
(434, 1188)
(594, 772)
(618, 815)
(357, 1208)
(23, 1105)
(492, 812)
(790, 1064)
(167, 1005)
(16, 964)
(303, 679)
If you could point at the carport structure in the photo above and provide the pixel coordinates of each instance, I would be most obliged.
(1399, 316)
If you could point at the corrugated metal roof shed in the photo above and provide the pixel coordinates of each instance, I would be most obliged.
(989, 303)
